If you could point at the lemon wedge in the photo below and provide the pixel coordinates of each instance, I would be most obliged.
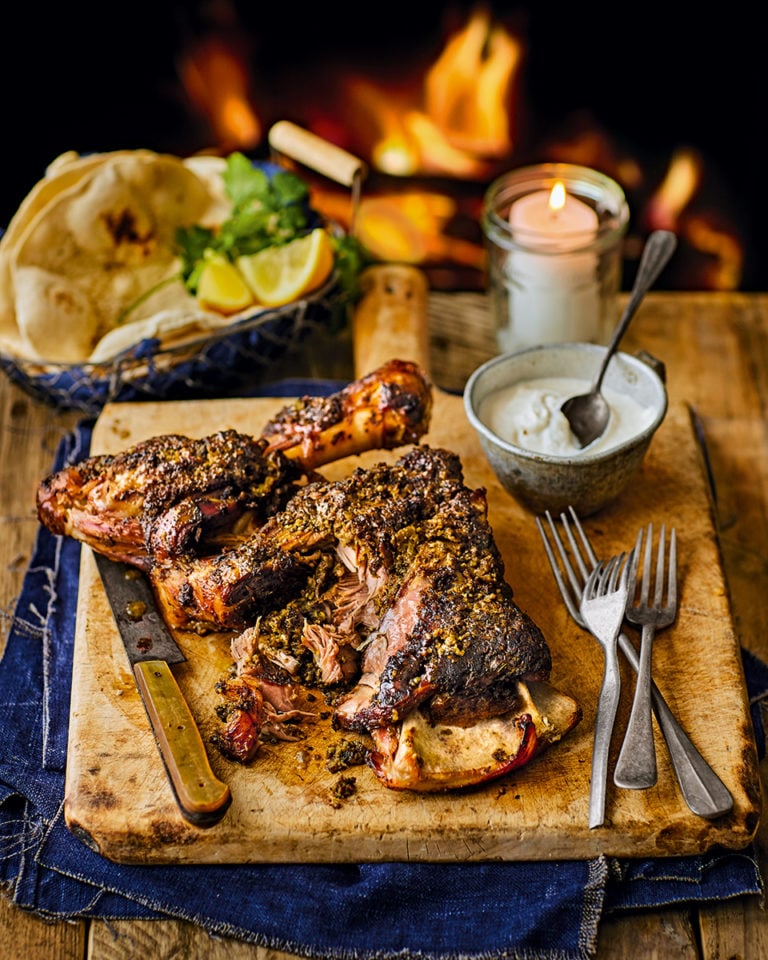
(279, 275)
(222, 288)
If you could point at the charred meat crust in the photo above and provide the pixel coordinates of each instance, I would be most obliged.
(436, 626)
(388, 408)
(171, 496)
(167, 495)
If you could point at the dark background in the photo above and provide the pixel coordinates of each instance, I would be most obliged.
(95, 77)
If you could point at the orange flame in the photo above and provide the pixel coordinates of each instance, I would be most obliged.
(676, 191)
(467, 89)
(725, 251)
(408, 227)
(667, 210)
(463, 120)
(408, 142)
(216, 82)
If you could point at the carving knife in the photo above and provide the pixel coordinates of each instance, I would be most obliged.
(202, 797)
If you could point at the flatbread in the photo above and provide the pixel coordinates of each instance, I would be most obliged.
(63, 172)
(90, 254)
(44, 298)
(172, 327)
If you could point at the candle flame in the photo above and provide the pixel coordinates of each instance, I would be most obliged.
(557, 196)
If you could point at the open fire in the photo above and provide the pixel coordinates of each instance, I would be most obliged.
(436, 136)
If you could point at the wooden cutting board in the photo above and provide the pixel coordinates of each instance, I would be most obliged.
(284, 806)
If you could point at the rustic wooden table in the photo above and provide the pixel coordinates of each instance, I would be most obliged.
(715, 347)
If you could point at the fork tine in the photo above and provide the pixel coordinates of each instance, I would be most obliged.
(603, 578)
(672, 575)
(577, 585)
(587, 546)
(645, 585)
(634, 567)
(658, 596)
(556, 572)
(626, 570)
(579, 550)
(592, 586)
(616, 563)
(569, 564)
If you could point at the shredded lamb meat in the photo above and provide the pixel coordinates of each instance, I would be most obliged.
(432, 624)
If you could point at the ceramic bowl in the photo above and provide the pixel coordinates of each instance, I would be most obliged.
(586, 480)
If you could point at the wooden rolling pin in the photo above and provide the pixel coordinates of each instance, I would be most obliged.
(391, 320)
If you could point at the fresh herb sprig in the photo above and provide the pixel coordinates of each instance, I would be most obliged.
(350, 259)
(266, 211)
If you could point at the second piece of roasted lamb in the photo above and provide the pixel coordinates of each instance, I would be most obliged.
(391, 589)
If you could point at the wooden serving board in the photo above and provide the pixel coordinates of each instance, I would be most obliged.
(284, 808)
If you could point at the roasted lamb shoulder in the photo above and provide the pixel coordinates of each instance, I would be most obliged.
(402, 607)
(355, 524)
(172, 495)
(166, 495)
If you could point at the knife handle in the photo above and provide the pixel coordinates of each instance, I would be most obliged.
(203, 798)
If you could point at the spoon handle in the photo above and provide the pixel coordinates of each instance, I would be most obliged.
(657, 251)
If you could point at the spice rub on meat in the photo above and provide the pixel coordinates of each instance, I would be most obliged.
(398, 602)
(167, 495)
(383, 593)
(174, 495)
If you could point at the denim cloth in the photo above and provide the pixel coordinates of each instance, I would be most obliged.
(547, 910)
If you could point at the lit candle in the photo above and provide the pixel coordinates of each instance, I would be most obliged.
(554, 294)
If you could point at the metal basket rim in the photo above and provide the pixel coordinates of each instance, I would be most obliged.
(141, 350)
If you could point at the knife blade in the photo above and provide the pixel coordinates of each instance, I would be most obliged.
(202, 797)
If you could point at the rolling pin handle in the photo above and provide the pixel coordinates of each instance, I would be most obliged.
(392, 319)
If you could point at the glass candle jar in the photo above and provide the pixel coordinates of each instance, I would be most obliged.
(553, 235)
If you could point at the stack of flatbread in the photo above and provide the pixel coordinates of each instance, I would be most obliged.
(88, 265)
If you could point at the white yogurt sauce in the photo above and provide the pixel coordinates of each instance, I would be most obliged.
(528, 414)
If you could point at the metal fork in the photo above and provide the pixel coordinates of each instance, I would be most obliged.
(602, 606)
(702, 789)
(636, 765)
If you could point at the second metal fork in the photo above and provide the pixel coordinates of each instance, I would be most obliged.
(702, 789)
(636, 765)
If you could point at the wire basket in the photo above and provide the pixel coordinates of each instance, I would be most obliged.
(211, 365)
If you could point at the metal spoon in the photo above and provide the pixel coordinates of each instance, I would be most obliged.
(588, 413)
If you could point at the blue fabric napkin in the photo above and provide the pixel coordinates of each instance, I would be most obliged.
(548, 910)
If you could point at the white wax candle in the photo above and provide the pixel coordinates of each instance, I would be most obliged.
(553, 288)
(553, 220)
